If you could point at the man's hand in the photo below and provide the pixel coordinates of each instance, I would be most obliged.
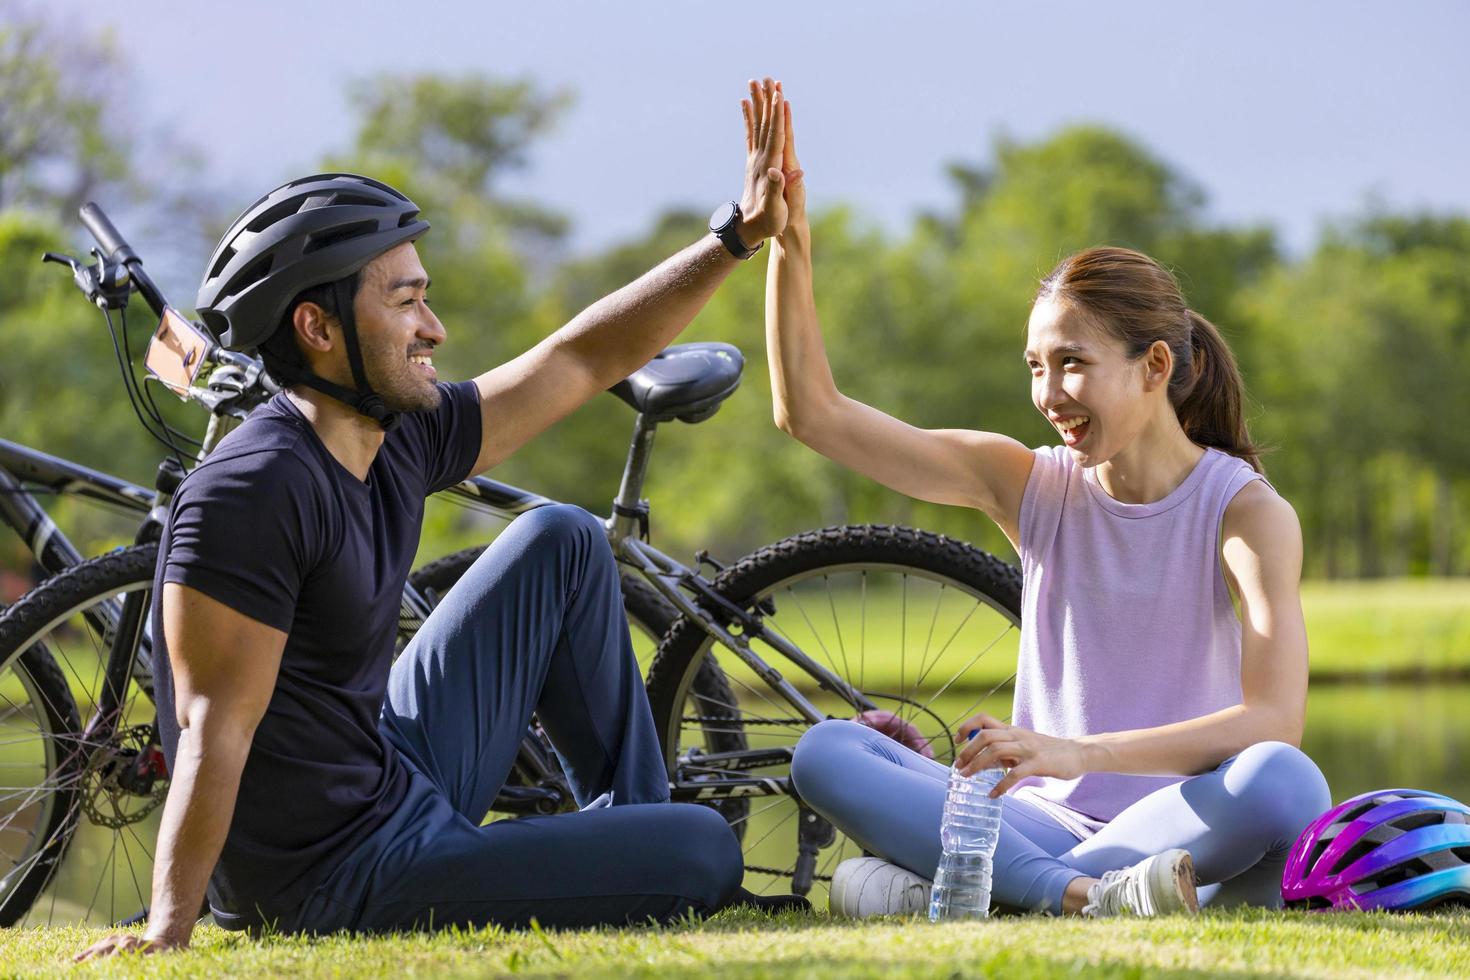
(763, 206)
(126, 942)
(1022, 751)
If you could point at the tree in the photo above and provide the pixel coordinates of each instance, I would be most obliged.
(63, 130)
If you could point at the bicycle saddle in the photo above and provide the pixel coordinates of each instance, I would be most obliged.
(685, 382)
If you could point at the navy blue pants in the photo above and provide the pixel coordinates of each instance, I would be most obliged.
(1237, 823)
(535, 625)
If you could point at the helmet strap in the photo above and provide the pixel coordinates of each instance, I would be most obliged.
(364, 399)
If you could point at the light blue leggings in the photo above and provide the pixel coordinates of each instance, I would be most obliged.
(1237, 823)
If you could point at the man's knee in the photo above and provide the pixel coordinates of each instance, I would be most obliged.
(1282, 787)
(709, 864)
(561, 520)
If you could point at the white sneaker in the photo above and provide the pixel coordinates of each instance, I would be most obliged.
(871, 886)
(1156, 885)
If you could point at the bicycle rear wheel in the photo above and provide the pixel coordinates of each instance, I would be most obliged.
(80, 813)
(927, 628)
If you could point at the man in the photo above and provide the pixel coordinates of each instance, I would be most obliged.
(317, 802)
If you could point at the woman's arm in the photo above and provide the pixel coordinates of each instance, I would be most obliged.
(947, 466)
(1262, 548)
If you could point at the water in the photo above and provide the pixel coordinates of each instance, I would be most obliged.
(968, 834)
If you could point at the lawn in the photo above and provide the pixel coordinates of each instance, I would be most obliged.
(1388, 626)
(745, 945)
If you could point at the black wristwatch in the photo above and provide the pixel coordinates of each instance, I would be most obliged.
(723, 223)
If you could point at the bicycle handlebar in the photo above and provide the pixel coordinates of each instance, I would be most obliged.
(107, 235)
(117, 251)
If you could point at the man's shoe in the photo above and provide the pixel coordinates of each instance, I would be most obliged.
(1157, 885)
(871, 886)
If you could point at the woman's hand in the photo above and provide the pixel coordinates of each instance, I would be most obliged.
(763, 206)
(1022, 751)
(126, 942)
(791, 170)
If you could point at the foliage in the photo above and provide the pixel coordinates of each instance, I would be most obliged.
(63, 132)
(1353, 355)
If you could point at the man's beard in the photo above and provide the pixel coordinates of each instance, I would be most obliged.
(402, 386)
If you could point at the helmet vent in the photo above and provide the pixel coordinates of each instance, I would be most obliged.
(270, 216)
(407, 218)
(1424, 818)
(357, 200)
(1362, 848)
(224, 260)
(329, 238)
(254, 274)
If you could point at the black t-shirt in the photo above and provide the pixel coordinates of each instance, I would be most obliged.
(275, 528)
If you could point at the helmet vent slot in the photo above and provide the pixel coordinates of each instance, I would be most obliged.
(1360, 849)
(224, 260)
(327, 239)
(254, 274)
(407, 218)
(270, 216)
(357, 200)
(1424, 818)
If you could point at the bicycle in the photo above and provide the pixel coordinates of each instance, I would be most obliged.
(726, 714)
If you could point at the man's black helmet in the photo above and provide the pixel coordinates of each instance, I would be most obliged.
(316, 230)
(311, 231)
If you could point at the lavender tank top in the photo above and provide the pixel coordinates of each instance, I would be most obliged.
(1126, 620)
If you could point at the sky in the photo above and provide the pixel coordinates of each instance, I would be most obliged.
(1290, 114)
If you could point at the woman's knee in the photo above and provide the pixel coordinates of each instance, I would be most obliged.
(1281, 785)
(814, 761)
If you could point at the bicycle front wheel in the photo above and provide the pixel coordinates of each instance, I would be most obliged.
(920, 630)
(81, 802)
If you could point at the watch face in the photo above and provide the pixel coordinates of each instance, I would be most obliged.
(724, 214)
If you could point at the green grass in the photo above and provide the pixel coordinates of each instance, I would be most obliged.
(748, 945)
(1388, 625)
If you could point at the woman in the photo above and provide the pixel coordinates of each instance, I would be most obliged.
(1154, 738)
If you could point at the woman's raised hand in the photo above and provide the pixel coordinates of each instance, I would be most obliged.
(763, 206)
(792, 172)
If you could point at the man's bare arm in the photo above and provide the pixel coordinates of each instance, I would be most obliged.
(224, 666)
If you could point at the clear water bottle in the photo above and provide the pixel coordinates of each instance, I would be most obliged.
(968, 834)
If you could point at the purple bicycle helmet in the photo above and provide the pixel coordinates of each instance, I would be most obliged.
(1389, 849)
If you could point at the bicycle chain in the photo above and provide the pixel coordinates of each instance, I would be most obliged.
(758, 869)
(733, 719)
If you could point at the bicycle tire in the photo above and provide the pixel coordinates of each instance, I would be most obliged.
(646, 610)
(24, 628)
(805, 563)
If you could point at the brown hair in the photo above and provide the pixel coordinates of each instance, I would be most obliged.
(1138, 301)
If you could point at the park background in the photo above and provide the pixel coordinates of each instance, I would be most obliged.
(1300, 167)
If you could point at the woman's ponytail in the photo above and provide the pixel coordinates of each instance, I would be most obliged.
(1210, 410)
